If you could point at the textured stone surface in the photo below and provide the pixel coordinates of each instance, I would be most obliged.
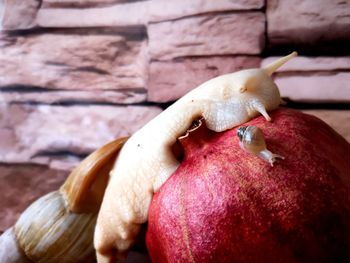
(170, 80)
(128, 14)
(73, 60)
(102, 13)
(82, 3)
(323, 63)
(213, 34)
(60, 136)
(21, 184)
(18, 14)
(308, 23)
(339, 120)
(315, 87)
(316, 79)
(194, 4)
(161, 10)
(23, 94)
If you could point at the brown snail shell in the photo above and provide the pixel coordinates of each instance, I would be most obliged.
(59, 226)
(10, 252)
(48, 232)
(252, 140)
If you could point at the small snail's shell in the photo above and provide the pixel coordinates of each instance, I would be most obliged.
(48, 232)
(251, 139)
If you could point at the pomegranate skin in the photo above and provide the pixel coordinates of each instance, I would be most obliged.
(226, 205)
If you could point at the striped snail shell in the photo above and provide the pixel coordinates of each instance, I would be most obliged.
(252, 140)
(59, 226)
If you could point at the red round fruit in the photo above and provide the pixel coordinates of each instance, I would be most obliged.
(226, 205)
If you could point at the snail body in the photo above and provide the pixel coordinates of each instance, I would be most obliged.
(146, 160)
(252, 140)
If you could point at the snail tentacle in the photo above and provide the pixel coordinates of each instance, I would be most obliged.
(270, 156)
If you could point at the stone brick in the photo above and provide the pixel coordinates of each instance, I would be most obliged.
(161, 10)
(122, 15)
(169, 80)
(314, 79)
(64, 13)
(74, 60)
(212, 34)
(323, 63)
(49, 96)
(60, 136)
(315, 87)
(18, 14)
(309, 23)
(82, 3)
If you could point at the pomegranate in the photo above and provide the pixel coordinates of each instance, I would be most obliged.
(224, 204)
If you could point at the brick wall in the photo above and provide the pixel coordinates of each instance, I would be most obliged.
(75, 74)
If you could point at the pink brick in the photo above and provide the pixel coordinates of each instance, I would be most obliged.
(75, 64)
(31, 132)
(315, 87)
(170, 80)
(308, 23)
(18, 14)
(214, 34)
(161, 10)
(314, 79)
(323, 63)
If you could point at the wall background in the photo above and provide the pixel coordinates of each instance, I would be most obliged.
(76, 74)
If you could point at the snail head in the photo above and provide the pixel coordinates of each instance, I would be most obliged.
(253, 79)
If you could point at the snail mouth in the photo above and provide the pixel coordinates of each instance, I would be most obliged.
(194, 126)
(243, 89)
(177, 148)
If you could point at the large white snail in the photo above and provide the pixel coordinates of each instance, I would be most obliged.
(146, 160)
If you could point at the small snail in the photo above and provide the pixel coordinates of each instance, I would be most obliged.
(252, 140)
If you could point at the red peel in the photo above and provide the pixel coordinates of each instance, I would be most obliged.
(226, 205)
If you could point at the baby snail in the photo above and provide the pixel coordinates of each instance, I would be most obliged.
(252, 140)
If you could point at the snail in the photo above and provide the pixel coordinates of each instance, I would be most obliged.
(146, 160)
(59, 226)
(252, 140)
